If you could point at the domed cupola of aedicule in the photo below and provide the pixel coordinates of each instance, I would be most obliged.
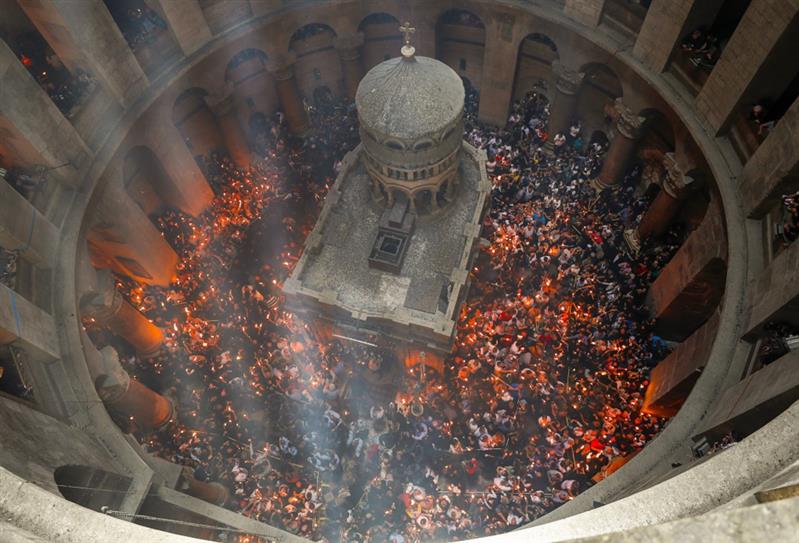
(411, 117)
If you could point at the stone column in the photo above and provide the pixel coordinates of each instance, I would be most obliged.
(689, 288)
(232, 133)
(772, 170)
(24, 229)
(31, 121)
(434, 207)
(27, 326)
(213, 492)
(758, 397)
(672, 379)
(564, 102)
(674, 188)
(496, 87)
(165, 140)
(112, 311)
(349, 51)
(145, 408)
(376, 194)
(664, 26)
(774, 293)
(84, 34)
(187, 22)
(449, 192)
(128, 240)
(289, 95)
(622, 146)
(411, 202)
(767, 27)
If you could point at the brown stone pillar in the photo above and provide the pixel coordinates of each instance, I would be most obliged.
(689, 288)
(349, 51)
(187, 22)
(24, 229)
(84, 35)
(31, 119)
(215, 493)
(127, 240)
(564, 101)
(110, 309)
(665, 24)
(622, 147)
(496, 87)
(165, 140)
(146, 409)
(289, 95)
(747, 60)
(657, 219)
(672, 379)
(233, 134)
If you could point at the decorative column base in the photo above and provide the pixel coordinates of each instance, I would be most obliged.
(633, 241)
(213, 492)
(598, 185)
(146, 409)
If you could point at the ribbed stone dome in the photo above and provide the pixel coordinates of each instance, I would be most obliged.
(409, 97)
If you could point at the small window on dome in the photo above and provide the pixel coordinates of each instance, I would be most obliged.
(394, 145)
(423, 145)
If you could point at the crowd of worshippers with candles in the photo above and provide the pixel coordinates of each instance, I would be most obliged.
(543, 388)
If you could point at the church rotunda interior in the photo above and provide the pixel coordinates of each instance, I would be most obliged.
(399, 270)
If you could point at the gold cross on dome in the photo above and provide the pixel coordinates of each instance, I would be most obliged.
(408, 30)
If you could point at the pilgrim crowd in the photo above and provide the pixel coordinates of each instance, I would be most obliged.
(67, 89)
(341, 441)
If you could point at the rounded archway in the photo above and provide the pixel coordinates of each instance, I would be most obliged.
(460, 43)
(537, 52)
(381, 38)
(318, 62)
(253, 85)
(197, 125)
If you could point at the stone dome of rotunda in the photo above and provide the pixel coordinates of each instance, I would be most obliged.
(409, 98)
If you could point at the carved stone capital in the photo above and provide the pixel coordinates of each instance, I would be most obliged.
(675, 182)
(102, 306)
(115, 375)
(628, 124)
(567, 80)
(115, 382)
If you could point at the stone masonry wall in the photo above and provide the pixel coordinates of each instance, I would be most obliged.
(774, 168)
(761, 27)
(662, 29)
